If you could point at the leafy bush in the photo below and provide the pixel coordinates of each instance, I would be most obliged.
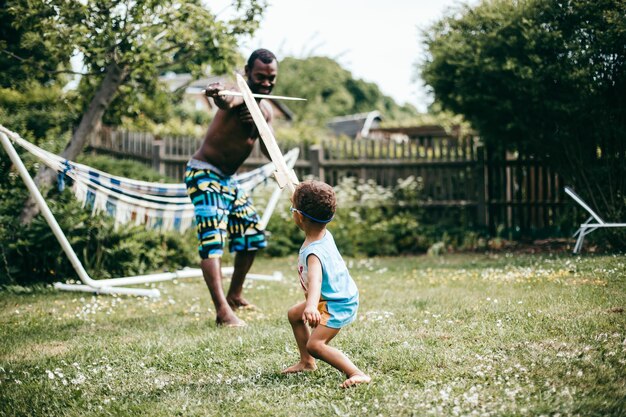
(37, 111)
(31, 253)
(376, 221)
(194, 126)
(123, 168)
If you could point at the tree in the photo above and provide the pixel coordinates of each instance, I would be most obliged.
(331, 91)
(547, 77)
(128, 44)
(24, 56)
(31, 79)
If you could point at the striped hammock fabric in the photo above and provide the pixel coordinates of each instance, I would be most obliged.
(157, 205)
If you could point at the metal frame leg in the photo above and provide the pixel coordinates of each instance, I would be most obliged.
(579, 242)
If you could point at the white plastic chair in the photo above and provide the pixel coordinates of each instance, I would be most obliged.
(588, 227)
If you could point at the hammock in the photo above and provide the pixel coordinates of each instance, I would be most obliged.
(157, 205)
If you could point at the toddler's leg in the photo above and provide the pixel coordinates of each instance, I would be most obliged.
(318, 347)
(301, 333)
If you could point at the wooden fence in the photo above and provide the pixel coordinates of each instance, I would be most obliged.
(501, 192)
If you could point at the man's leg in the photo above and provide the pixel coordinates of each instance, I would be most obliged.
(212, 272)
(243, 262)
(246, 237)
(202, 188)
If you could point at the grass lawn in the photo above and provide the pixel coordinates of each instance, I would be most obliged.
(457, 335)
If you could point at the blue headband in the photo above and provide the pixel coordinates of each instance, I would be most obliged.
(311, 217)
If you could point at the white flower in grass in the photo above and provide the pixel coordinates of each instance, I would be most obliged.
(445, 394)
(50, 374)
(472, 397)
(80, 379)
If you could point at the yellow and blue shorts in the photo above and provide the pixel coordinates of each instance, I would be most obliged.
(337, 314)
(222, 210)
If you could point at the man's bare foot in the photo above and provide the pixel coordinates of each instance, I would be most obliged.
(240, 303)
(229, 321)
(355, 380)
(299, 367)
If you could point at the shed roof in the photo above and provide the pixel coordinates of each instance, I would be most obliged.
(355, 125)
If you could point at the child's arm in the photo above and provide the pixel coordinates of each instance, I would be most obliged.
(310, 314)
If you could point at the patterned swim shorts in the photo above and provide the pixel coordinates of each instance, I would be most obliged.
(222, 209)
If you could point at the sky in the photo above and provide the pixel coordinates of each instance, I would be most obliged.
(377, 41)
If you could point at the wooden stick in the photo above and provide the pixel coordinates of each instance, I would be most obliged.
(270, 96)
(283, 174)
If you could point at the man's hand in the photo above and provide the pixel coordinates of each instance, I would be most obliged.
(213, 89)
(244, 115)
(312, 316)
(246, 118)
(224, 102)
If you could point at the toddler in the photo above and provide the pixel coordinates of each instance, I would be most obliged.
(332, 298)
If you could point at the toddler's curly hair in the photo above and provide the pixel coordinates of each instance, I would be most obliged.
(315, 198)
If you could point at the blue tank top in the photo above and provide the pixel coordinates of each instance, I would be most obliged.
(337, 284)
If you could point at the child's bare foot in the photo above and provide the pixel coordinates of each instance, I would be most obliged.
(299, 367)
(355, 380)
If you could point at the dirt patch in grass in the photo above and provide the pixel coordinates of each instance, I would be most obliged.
(52, 349)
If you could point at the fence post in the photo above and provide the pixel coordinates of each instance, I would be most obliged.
(157, 156)
(481, 184)
(316, 154)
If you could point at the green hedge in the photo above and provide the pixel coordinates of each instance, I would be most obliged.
(31, 253)
(375, 221)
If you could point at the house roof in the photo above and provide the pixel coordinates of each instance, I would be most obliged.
(355, 125)
(414, 131)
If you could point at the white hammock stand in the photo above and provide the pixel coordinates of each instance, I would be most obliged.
(80, 173)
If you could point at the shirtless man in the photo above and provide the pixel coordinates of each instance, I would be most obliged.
(222, 209)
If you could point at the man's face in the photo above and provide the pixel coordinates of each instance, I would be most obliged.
(262, 77)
